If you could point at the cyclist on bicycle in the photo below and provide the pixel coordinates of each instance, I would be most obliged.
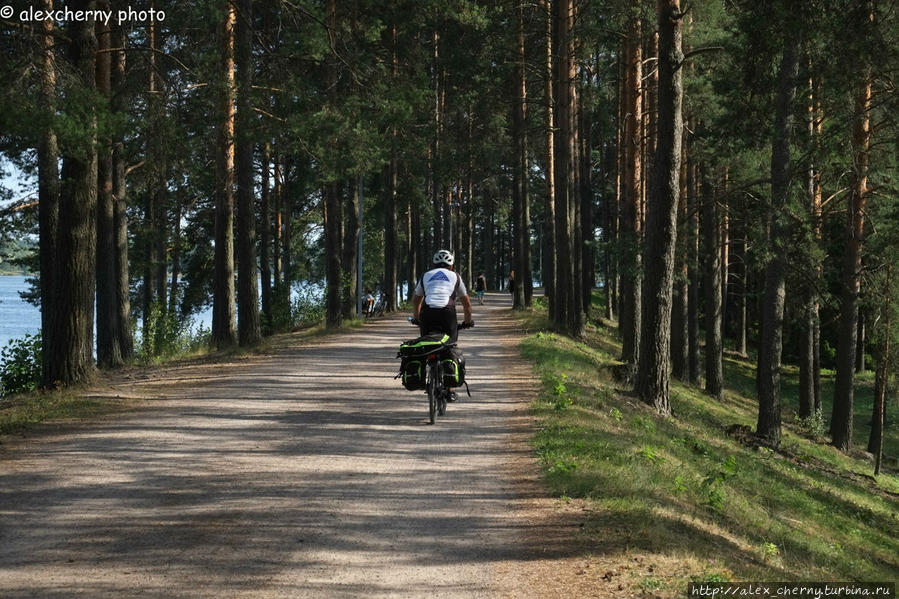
(434, 304)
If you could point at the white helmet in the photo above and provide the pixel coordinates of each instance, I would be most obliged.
(444, 257)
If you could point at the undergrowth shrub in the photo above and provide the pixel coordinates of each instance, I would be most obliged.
(20, 365)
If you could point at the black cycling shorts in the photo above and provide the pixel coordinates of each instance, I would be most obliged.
(439, 320)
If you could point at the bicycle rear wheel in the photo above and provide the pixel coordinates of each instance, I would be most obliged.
(433, 391)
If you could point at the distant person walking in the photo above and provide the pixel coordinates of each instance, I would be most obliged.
(512, 283)
(480, 287)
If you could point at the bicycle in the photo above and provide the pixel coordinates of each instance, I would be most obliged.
(377, 308)
(438, 395)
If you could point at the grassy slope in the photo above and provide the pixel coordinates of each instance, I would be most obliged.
(701, 504)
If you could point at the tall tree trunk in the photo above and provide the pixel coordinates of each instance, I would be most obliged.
(124, 339)
(524, 289)
(881, 377)
(176, 254)
(351, 232)
(159, 238)
(108, 355)
(711, 234)
(844, 392)
(724, 219)
(630, 233)
(248, 325)
(576, 318)
(680, 317)
(415, 248)
(48, 193)
(286, 199)
(277, 227)
(860, 344)
(390, 233)
(265, 237)
(390, 197)
(807, 371)
(520, 171)
(565, 282)
(771, 341)
(489, 254)
(332, 205)
(586, 243)
(653, 374)
(333, 247)
(71, 343)
(549, 210)
(693, 272)
(224, 330)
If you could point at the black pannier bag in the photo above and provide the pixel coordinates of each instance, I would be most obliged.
(453, 363)
(412, 371)
(414, 354)
(422, 346)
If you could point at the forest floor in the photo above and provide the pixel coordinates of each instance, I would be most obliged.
(302, 471)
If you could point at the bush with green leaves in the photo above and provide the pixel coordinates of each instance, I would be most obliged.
(20, 365)
(165, 334)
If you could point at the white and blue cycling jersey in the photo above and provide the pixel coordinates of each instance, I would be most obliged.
(440, 288)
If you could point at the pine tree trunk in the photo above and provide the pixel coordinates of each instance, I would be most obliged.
(390, 234)
(124, 338)
(48, 193)
(564, 284)
(71, 343)
(277, 229)
(586, 245)
(653, 374)
(860, 345)
(159, 163)
(711, 233)
(680, 317)
(524, 289)
(549, 210)
(881, 376)
(350, 237)
(576, 320)
(248, 325)
(176, 254)
(107, 350)
(771, 341)
(391, 173)
(806, 361)
(333, 247)
(693, 272)
(844, 392)
(286, 199)
(631, 294)
(224, 330)
(265, 237)
(742, 278)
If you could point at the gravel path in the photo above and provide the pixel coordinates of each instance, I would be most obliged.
(308, 472)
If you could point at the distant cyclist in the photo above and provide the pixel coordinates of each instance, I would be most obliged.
(434, 304)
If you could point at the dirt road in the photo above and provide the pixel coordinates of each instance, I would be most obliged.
(308, 472)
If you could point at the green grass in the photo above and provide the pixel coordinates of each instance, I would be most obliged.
(681, 488)
(23, 412)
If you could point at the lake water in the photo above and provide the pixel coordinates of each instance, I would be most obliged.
(17, 317)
